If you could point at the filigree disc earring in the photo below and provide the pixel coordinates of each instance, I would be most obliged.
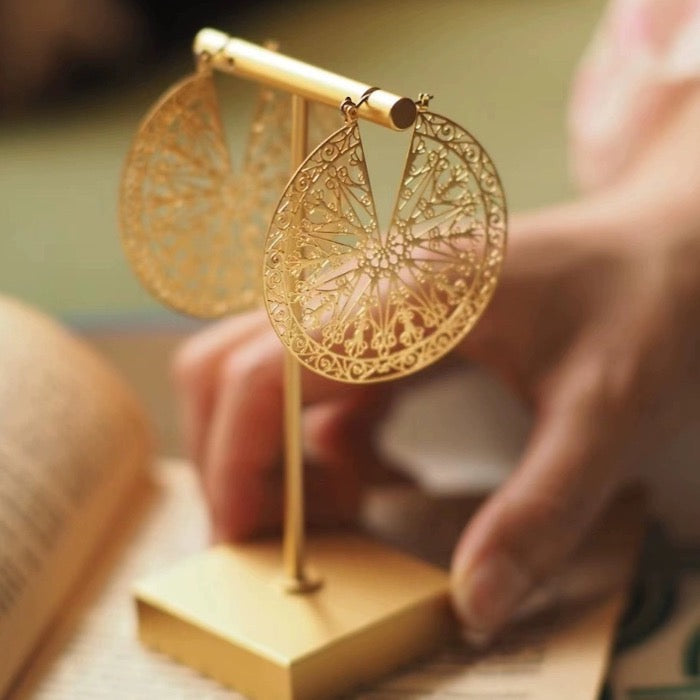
(359, 303)
(193, 229)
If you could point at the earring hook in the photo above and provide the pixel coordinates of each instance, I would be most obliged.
(349, 108)
(423, 101)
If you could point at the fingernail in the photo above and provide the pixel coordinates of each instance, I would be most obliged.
(486, 595)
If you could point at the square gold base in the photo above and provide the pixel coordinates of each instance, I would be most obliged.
(225, 613)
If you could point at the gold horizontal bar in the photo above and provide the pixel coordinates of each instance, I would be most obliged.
(248, 60)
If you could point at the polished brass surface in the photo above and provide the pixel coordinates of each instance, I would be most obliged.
(297, 579)
(357, 302)
(223, 613)
(192, 228)
(276, 70)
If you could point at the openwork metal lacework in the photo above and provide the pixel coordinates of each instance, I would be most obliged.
(360, 304)
(192, 228)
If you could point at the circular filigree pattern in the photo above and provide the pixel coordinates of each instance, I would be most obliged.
(359, 304)
(192, 229)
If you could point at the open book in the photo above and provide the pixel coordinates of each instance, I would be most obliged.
(83, 515)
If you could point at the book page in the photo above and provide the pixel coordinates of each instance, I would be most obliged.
(72, 441)
(95, 653)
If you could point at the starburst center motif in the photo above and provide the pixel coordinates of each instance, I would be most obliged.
(381, 260)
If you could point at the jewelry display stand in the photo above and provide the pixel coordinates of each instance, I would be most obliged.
(256, 616)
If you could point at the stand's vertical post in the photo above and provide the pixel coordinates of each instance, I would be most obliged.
(298, 580)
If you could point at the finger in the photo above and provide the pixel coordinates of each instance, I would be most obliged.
(244, 435)
(530, 525)
(526, 328)
(338, 452)
(340, 437)
(343, 433)
(594, 569)
(334, 485)
(196, 368)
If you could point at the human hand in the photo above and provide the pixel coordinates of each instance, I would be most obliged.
(596, 324)
(593, 323)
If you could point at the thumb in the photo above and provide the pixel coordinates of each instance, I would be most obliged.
(526, 530)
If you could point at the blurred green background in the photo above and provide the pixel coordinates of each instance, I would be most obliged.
(501, 68)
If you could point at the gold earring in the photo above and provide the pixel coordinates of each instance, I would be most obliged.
(193, 230)
(357, 303)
